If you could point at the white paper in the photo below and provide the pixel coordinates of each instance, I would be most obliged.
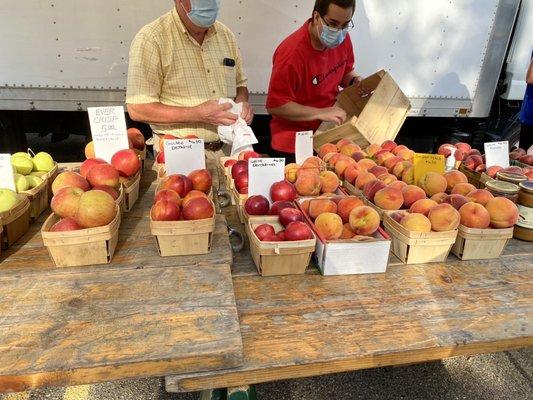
(497, 153)
(108, 129)
(263, 173)
(303, 146)
(7, 179)
(182, 156)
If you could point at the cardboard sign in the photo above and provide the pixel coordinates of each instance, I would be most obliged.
(7, 178)
(182, 156)
(303, 146)
(108, 130)
(263, 173)
(497, 153)
(424, 163)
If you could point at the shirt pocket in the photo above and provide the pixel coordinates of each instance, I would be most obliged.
(230, 73)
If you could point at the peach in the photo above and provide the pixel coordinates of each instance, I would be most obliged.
(327, 148)
(378, 170)
(439, 197)
(456, 200)
(365, 164)
(329, 225)
(463, 188)
(321, 206)
(351, 172)
(331, 158)
(398, 185)
(446, 149)
(513, 170)
(308, 185)
(342, 164)
(492, 171)
(66, 202)
(474, 215)
(408, 175)
(400, 167)
(70, 179)
(453, 178)
(330, 182)
(433, 183)
(444, 217)
(389, 145)
(349, 149)
(480, 196)
(422, 206)
(411, 194)
(481, 168)
(503, 212)
(290, 172)
(391, 162)
(305, 205)
(387, 178)
(416, 223)
(346, 205)
(407, 155)
(373, 149)
(363, 178)
(358, 155)
(89, 150)
(343, 142)
(399, 148)
(372, 187)
(472, 161)
(473, 152)
(382, 157)
(389, 198)
(96, 208)
(347, 232)
(364, 220)
(464, 147)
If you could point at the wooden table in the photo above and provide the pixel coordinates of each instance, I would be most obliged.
(142, 315)
(308, 325)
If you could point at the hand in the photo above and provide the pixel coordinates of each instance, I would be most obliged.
(361, 90)
(332, 114)
(247, 112)
(216, 114)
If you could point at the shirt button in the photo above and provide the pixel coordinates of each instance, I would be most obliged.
(208, 71)
(214, 91)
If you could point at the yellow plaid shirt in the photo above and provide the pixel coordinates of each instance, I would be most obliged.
(168, 66)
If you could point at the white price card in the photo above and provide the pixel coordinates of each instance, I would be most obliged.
(303, 146)
(7, 178)
(263, 173)
(182, 156)
(497, 153)
(108, 130)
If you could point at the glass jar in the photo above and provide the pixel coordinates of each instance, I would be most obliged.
(511, 178)
(524, 227)
(503, 189)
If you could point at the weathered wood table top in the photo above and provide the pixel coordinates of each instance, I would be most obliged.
(142, 315)
(308, 325)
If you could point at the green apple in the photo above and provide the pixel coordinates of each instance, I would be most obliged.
(33, 181)
(43, 162)
(8, 199)
(22, 164)
(22, 154)
(21, 183)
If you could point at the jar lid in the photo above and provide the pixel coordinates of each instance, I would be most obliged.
(526, 186)
(502, 187)
(510, 177)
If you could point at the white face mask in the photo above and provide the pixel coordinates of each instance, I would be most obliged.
(331, 37)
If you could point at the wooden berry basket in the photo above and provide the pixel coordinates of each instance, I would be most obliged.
(481, 244)
(183, 238)
(93, 246)
(142, 157)
(279, 258)
(38, 197)
(49, 177)
(15, 222)
(379, 210)
(121, 200)
(419, 247)
(131, 191)
(240, 199)
(473, 177)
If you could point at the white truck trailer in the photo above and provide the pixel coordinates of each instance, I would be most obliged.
(446, 55)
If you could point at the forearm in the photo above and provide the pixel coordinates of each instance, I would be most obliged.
(295, 112)
(158, 113)
(242, 95)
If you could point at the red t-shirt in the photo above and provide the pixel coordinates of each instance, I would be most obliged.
(306, 76)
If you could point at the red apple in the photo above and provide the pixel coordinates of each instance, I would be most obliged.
(88, 164)
(126, 162)
(65, 202)
(198, 208)
(283, 191)
(281, 236)
(137, 138)
(243, 190)
(230, 163)
(103, 175)
(168, 195)
(108, 189)
(298, 231)
(201, 180)
(179, 183)
(238, 167)
(264, 230)
(288, 215)
(65, 225)
(161, 158)
(257, 205)
(280, 205)
(241, 180)
(246, 155)
(165, 210)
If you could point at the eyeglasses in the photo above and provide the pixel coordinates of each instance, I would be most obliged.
(346, 27)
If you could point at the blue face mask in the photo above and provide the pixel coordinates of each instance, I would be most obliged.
(331, 37)
(204, 12)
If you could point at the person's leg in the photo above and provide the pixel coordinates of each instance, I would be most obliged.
(526, 136)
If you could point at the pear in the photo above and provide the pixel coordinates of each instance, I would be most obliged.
(33, 181)
(21, 183)
(22, 154)
(8, 200)
(43, 162)
(22, 164)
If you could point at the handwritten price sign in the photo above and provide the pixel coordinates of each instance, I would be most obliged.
(303, 146)
(108, 130)
(424, 163)
(263, 173)
(7, 179)
(182, 156)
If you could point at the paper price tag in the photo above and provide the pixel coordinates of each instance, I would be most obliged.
(303, 146)
(182, 156)
(424, 163)
(497, 153)
(7, 179)
(263, 173)
(108, 130)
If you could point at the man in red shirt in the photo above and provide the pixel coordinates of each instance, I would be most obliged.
(309, 68)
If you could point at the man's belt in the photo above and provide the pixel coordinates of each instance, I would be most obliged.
(213, 146)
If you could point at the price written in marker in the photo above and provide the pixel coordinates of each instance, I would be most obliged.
(182, 156)
(303, 146)
(424, 163)
(108, 130)
(263, 173)
(497, 153)
(7, 179)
